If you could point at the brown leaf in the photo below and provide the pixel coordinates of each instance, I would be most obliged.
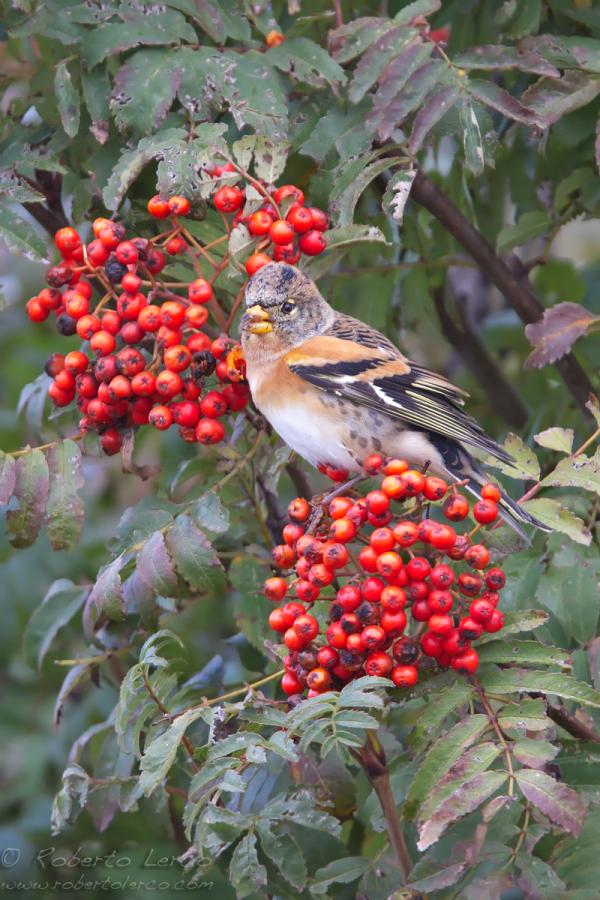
(560, 803)
(556, 332)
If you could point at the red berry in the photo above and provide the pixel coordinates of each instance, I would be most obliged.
(393, 623)
(175, 245)
(495, 622)
(177, 358)
(281, 232)
(469, 585)
(349, 598)
(418, 568)
(327, 657)
(288, 190)
(290, 684)
(213, 405)
(431, 644)
(67, 240)
(456, 508)
(161, 417)
(300, 219)
(477, 556)
(406, 533)
(441, 624)
(200, 291)
(256, 262)
(442, 576)
(312, 243)
(378, 664)
(275, 589)
(111, 441)
(373, 637)
(127, 253)
(209, 431)
(491, 492)
(318, 680)
(102, 343)
(495, 578)
(320, 222)
(442, 537)
(434, 488)
(440, 601)
(393, 598)
(259, 223)
(228, 199)
(485, 511)
(178, 206)
(404, 676)
(158, 208)
(467, 662)
(156, 262)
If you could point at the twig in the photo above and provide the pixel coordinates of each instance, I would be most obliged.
(158, 702)
(511, 279)
(24, 450)
(466, 341)
(493, 719)
(237, 692)
(572, 724)
(339, 18)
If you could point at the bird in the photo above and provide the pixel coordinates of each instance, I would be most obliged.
(337, 390)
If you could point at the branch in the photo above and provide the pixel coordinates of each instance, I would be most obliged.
(52, 215)
(467, 342)
(510, 276)
(572, 724)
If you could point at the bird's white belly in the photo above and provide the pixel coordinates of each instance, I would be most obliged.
(317, 438)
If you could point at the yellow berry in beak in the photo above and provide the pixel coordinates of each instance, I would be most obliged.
(257, 321)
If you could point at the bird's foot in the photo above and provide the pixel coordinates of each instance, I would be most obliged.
(320, 502)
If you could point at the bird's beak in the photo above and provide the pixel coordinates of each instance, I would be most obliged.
(256, 320)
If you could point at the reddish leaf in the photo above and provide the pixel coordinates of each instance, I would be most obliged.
(556, 332)
(560, 803)
(390, 107)
(154, 566)
(107, 594)
(464, 800)
(491, 94)
(8, 476)
(496, 57)
(31, 490)
(434, 109)
(551, 98)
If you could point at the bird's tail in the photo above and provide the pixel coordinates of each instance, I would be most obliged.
(462, 467)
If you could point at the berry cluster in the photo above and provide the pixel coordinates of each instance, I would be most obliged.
(375, 561)
(150, 354)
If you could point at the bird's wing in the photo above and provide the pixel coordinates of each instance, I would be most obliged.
(374, 374)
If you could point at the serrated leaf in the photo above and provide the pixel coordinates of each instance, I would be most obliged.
(462, 801)
(552, 98)
(470, 764)
(344, 871)
(390, 60)
(343, 202)
(472, 140)
(246, 874)
(306, 61)
(388, 112)
(442, 755)
(530, 715)
(67, 99)
(580, 472)
(146, 25)
(397, 193)
(535, 754)
(191, 551)
(503, 651)
(560, 803)
(515, 681)
(8, 476)
(350, 40)
(557, 331)
(560, 439)
(494, 57)
(13, 189)
(525, 464)
(96, 89)
(155, 567)
(31, 491)
(64, 509)
(159, 753)
(491, 94)
(431, 112)
(61, 602)
(254, 93)
(432, 716)
(558, 517)
(107, 594)
(413, 12)
(270, 158)
(439, 876)
(132, 162)
(529, 226)
(284, 851)
(208, 512)
(144, 90)
(73, 679)
(20, 235)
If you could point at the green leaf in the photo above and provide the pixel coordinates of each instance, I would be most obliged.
(560, 439)
(462, 801)
(426, 876)
(191, 551)
(472, 140)
(181, 168)
(529, 226)
(391, 60)
(61, 602)
(569, 590)
(147, 25)
(246, 874)
(495, 57)
(65, 509)
(503, 651)
(8, 476)
(21, 236)
(284, 851)
(516, 681)
(432, 716)
(416, 10)
(107, 594)
(397, 193)
(555, 515)
(351, 40)
(155, 567)
(580, 472)
(560, 803)
(516, 622)
(132, 162)
(442, 755)
(552, 98)
(144, 90)
(31, 490)
(470, 764)
(96, 89)
(530, 715)
(306, 61)
(67, 99)
(159, 753)
(526, 20)
(431, 112)
(344, 871)
(253, 92)
(343, 202)
(491, 94)
(535, 754)
(525, 464)
(270, 158)
(208, 512)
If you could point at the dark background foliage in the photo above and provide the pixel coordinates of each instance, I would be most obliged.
(100, 101)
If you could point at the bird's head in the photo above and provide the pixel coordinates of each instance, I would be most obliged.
(283, 309)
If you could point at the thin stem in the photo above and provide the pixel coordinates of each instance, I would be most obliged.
(339, 17)
(28, 449)
(237, 692)
(495, 725)
(158, 702)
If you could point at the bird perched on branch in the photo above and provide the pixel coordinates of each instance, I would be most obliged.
(336, 390)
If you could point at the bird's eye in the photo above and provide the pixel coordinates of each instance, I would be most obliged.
(288, 307)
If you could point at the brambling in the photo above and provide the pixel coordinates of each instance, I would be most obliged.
(336, 390)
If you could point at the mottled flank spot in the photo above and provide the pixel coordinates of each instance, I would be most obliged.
(363, 442)
(353, 435)
(376, 443)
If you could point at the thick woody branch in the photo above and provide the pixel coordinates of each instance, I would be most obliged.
(572, 724)
(510, 276)
(50, 215)
(463, 337)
